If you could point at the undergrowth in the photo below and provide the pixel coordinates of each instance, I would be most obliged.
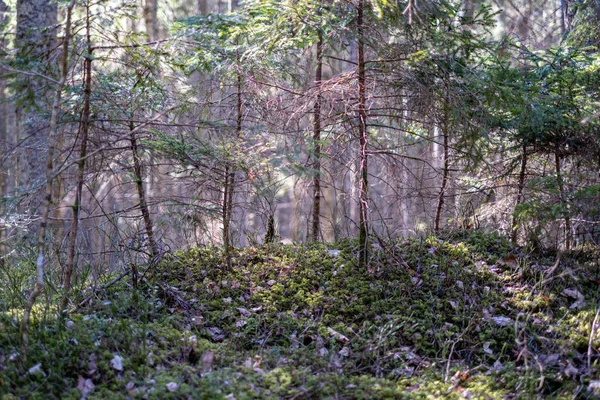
(461, 315)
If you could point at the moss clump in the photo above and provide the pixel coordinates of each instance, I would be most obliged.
(434, 317)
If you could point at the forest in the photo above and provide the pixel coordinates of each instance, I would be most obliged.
(299, 199)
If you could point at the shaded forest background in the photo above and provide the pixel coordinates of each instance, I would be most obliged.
(130, 129)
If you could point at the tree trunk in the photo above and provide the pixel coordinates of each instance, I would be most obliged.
(521, 185)
(151, 19)
(139, 179)
(229, 190)
(563, 200)
(363, 205)
(445, 174)
(316, 212)
(202, 7)
(84, 132)
(52, 132)
(4, 143)
(35, 34)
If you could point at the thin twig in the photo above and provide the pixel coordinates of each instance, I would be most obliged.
(591, 341)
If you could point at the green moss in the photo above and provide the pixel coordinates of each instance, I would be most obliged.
(296, 321)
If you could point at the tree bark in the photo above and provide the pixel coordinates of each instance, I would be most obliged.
(52, 132)
(316, 212)
(229, 190)
(445, 175)
(520, 187)
(4, 141)
(34, 39)
(151, 19)
(363, 253)
(139, 180)
(563, 200)
(84, 132)
(202, 7)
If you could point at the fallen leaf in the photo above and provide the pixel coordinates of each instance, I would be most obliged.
(486, 348)
(509, 261)
(551, 359)
(207, 361)
(243, 311)
(36, 369)
(338, 336)
(573, 293)
(240, 323)
(215, 334)
(497, 367)
(417, 281)
(570, 370)
(91, 366)
(459, 377)
(334, 253)
(344, 352)
(502, 321)
(594, 386)
(117, 363)
(85, 386)
(172, 386)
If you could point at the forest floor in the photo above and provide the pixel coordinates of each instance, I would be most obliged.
(462, 315)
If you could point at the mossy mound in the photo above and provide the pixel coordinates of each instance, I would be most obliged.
(459, 316)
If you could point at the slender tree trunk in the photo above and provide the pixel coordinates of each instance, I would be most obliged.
(35, 39)
(202, 7)
(520, 187)
(316, 212)
(227, 189)
(139, 180)
(151, 19)
(52, 133)
(363, 253)
(4, 140)
(563, 200)
(230, 171)
(445, 175)
(84, 131)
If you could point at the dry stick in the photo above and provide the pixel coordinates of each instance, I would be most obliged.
(39, 286)
(109, 284)
(85, 127)
(591, 341)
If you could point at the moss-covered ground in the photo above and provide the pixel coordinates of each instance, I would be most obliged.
(456, 316)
